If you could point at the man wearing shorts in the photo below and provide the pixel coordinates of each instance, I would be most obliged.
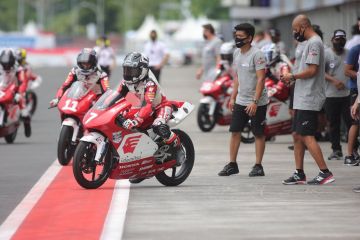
(249, 99)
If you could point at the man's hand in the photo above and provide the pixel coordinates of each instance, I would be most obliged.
(355, 111)
(339, 85)
(130, 124)
(287, 78)
(54, 103)
(251, 109)
(231, 104)
(158, 67)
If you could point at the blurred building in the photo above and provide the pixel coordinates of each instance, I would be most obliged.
(328, 14)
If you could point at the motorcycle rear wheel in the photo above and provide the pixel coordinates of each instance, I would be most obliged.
(65, 149)
(84, 160)
(179, 176)
(11, 137)
(205, 122)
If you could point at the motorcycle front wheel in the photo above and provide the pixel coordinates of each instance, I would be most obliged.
(178, 174)
(11, 137)
(65, 148)
(206, 123)
(88, 173)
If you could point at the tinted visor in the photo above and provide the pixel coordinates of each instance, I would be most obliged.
(6, 66)
(131, 72)
(85, 66)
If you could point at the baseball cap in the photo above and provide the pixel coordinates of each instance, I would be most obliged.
(339, 33)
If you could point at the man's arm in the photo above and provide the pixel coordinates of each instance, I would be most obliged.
(349, 72)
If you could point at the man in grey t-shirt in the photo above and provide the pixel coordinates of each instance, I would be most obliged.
(248, 100)
(210, 54)
(309, 97)
(337, 102)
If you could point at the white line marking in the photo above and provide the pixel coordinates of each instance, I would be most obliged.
(115, 220)
(18, 215)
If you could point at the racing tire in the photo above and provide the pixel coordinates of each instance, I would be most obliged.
(205, 123)
(83, 158)
(11, 137)
(179, 176)
(65, 148)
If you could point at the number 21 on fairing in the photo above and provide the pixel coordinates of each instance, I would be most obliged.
(70, 105)
(93, 115)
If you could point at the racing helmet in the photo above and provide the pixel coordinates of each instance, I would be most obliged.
(271, 53)
(227, 51)
(135, 67)
(87, 61)
(7, 59)
(20, 55)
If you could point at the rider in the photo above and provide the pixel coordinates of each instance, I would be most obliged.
(20, 55)
(276, 65)
(226, 56)
(16, 74)
(86, 71)
(147, 89)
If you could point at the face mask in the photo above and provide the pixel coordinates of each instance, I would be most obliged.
(153, 38)
(240, 42)
(339, 46)
(299, 36)
(205, 37)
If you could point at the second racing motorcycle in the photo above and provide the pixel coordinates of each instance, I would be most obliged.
(72, 106)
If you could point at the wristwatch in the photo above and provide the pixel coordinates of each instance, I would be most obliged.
(255, 101)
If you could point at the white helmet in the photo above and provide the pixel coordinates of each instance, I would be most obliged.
(271, 53)
(227, 51)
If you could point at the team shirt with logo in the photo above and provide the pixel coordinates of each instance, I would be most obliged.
(334, 66)
(309, 93)
(246, 66)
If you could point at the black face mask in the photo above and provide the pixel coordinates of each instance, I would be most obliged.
(240, 42)
(299, 36)
(205, 37)
(339, 46)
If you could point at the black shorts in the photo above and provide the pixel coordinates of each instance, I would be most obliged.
(353, 97)
(305, 122)
(240, 118)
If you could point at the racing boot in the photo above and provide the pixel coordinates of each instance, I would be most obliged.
(176, 150)
(27, 126)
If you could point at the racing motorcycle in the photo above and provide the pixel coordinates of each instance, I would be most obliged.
(9, 113)
(108, 150)
(31, 97)
(72, 106)
(214, 106)
(278, 118)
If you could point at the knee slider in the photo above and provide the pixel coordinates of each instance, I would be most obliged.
(162, 130)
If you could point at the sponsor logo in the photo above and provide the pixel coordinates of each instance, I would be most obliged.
(304, 123)
(146, 167)
(146, 162)
(129, 165)
(274, 110)
(131, 144)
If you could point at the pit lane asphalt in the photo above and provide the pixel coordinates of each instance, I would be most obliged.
(205, 206)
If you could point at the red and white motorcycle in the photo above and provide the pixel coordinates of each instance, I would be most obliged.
(9, 112)
(72, 106)
(108, 150)
(214, 106)
(278, 118)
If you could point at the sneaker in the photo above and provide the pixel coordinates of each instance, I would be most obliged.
(296, 178)
(229, 169)
(351, 161)
(322, 178)
(336, 155)
(291, 147)
(356, 189)
(257, 171)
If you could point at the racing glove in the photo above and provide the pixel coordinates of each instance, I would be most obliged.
(54, 102)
